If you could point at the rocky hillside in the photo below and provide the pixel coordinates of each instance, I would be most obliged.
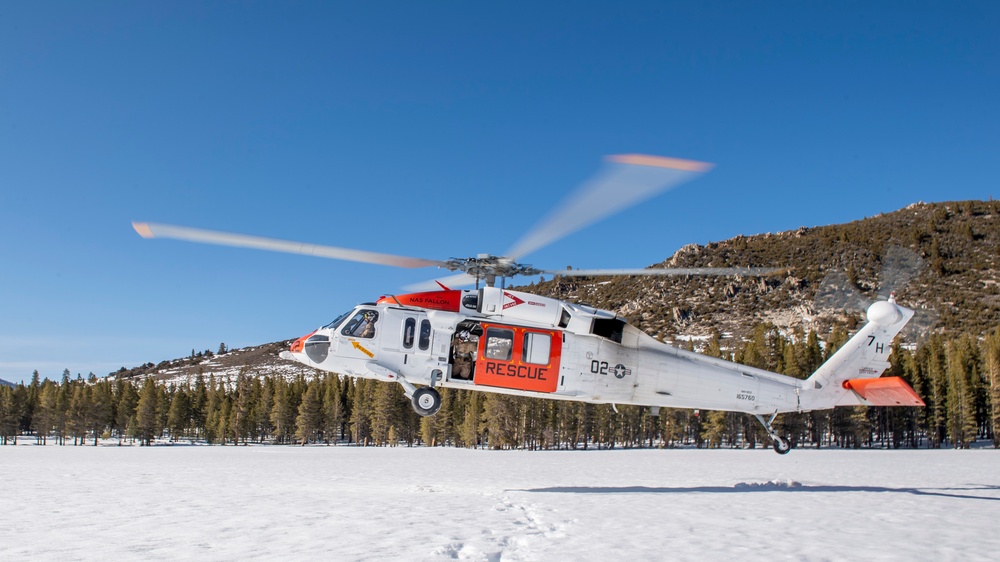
(941, 258)
(259, 359)
(951, 251)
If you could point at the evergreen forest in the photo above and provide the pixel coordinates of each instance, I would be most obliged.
(958, 378)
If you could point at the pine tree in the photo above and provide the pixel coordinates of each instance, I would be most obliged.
(60, 413)
(361, 412)
(309, 422)
(163, 398)
(860, 427)
(47, 412)
(10, 414)
(960, 399)
(937, 411)
(199, 405)
(442, 422)
(246, 394)
(584, 425)
(715, 428)
(213, 404)
(79, 413)
(469, 432)
(127, 402)
(179, 416)
(31, 405)
(913, 375)
(234, 420)
(383, 411)
(261, 410)
(145, 413)
(102, 408)
(282, 414)
(333, 409)
(500, 417)
(991, 367)
(223, 427)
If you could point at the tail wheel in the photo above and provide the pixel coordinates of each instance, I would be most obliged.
(426, 401)
(781, 446)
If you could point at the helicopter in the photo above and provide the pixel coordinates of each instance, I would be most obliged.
(513, 342)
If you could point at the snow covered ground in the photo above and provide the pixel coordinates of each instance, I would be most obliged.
(350, 503)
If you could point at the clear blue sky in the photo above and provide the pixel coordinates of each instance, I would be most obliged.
(439, 129)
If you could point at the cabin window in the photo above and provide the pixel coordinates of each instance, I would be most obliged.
(362, 325)
(536, 348)
(425, 335)
(499, 344)
(409, 329)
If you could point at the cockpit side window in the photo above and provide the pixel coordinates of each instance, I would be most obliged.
(610, 328)
(362, 325)
(564, 318)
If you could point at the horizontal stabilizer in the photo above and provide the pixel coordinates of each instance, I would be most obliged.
(886, 391)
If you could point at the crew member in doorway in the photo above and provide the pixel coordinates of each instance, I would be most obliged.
(465, 347)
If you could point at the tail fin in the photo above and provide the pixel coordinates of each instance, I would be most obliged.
(838, 381)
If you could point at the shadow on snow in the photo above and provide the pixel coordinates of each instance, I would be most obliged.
(743, 487)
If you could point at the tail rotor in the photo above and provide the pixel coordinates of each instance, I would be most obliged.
(900, 266)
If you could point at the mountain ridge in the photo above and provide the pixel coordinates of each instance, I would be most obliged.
(959, 241)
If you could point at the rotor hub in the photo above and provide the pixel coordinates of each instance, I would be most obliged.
(485, 266)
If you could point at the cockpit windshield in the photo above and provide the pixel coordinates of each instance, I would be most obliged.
(333, 325)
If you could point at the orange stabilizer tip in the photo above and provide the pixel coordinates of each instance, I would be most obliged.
(885, 391)
(661, 162)
(143, 229)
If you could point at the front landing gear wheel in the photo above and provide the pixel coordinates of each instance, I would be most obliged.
(781, 446)
(426, 401)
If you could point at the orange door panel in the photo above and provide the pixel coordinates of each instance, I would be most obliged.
(518, 358)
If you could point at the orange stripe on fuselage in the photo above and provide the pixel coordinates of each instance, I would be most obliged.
(448, 301)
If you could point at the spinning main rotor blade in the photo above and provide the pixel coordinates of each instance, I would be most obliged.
(625, 181)
(451, 281)
(153, 230)
(745, 271)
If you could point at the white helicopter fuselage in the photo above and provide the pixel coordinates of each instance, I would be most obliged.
(518, 343)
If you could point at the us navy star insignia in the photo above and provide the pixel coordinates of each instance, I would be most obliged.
(621, 371)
